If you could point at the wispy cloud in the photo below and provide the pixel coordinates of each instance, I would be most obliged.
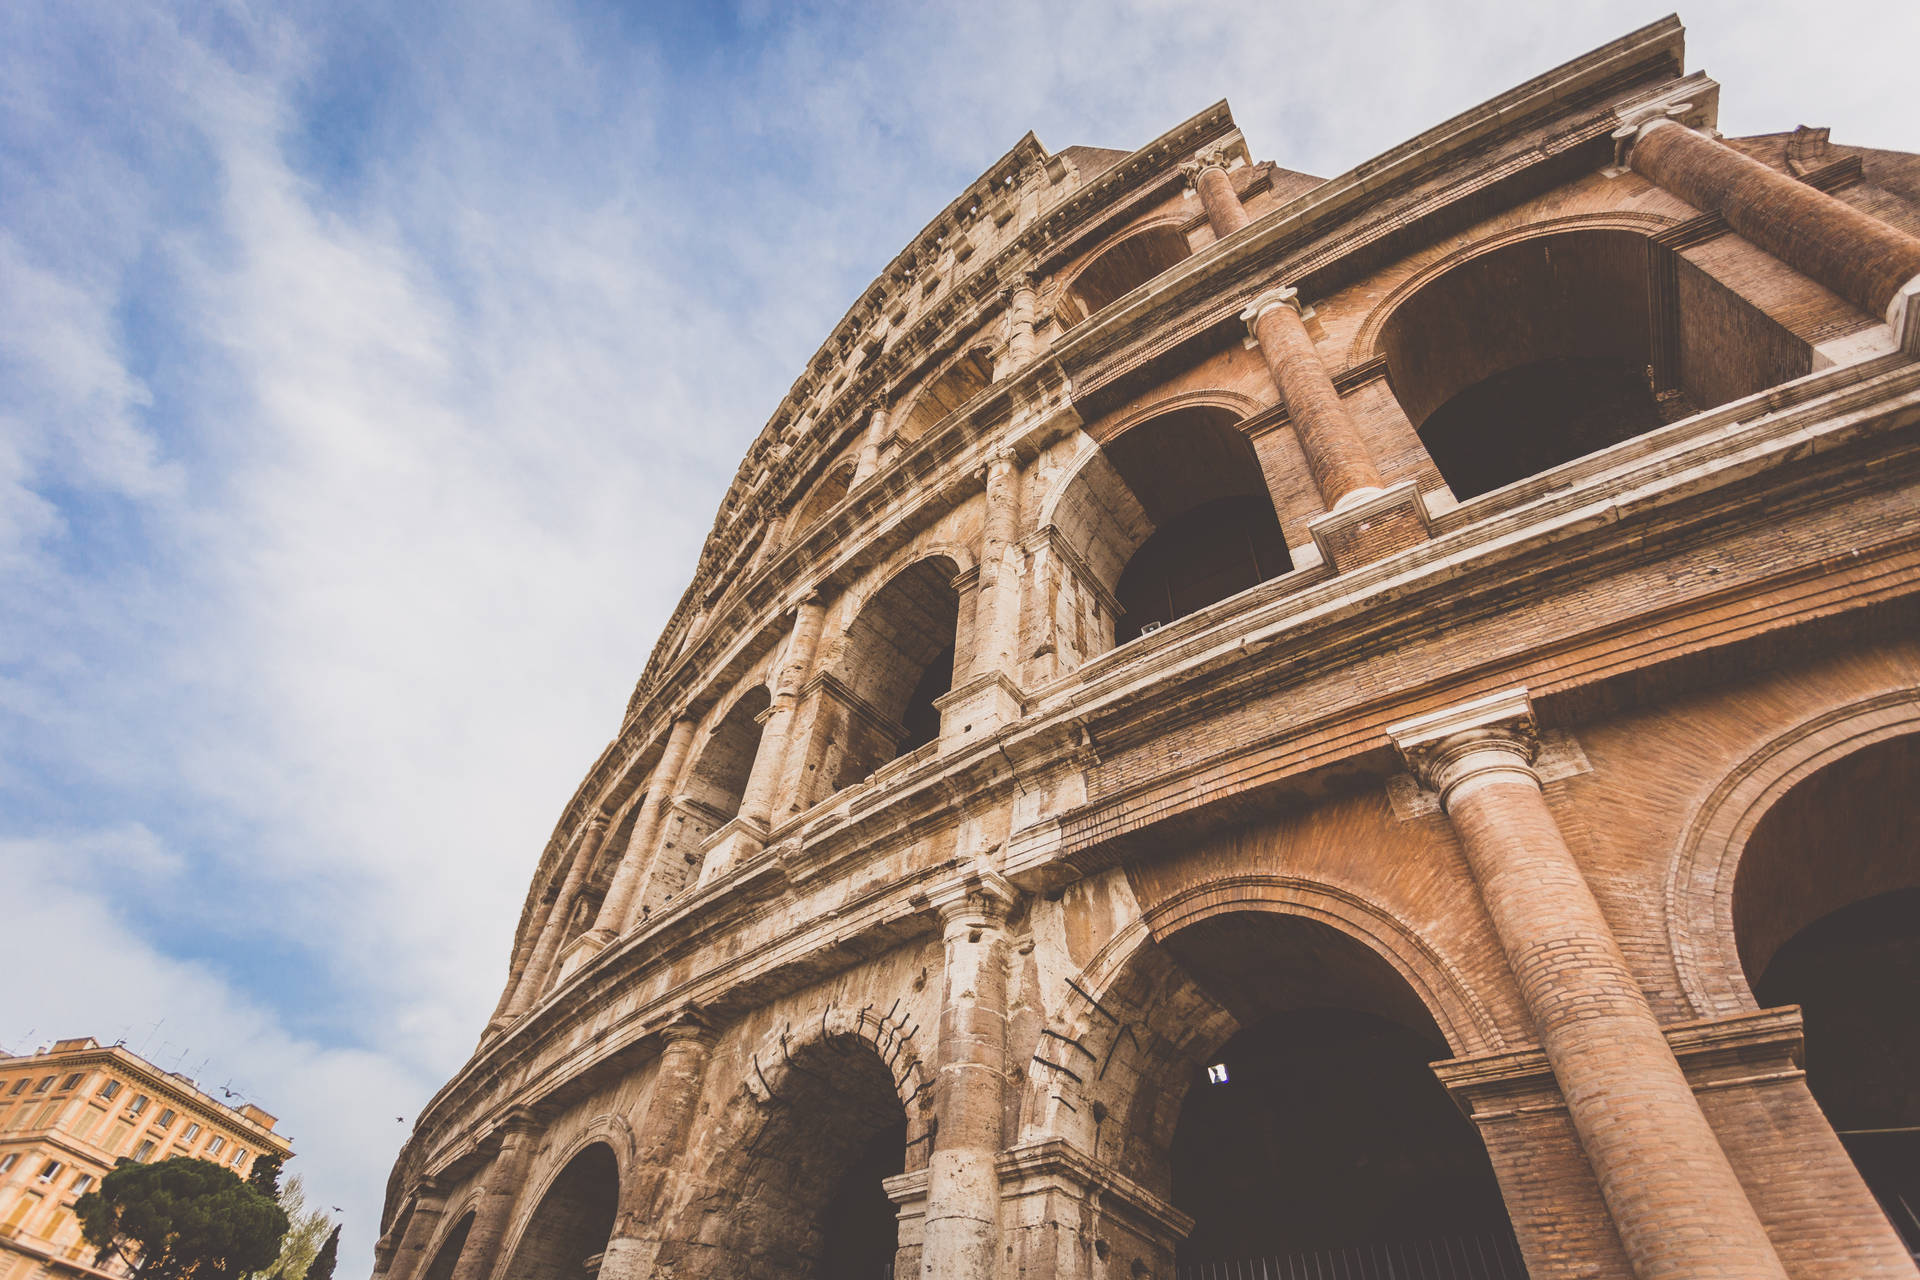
(369, 377)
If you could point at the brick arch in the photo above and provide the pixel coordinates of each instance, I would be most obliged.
(1366, 340)
(443, 1254)
(1706, 861)
(1074, 307)
(606, 1130)
(1132, 1014)
(815, 1093)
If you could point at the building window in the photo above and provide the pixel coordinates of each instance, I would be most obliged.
(44, 1085)
(166, 1118)
(71, 1081)
(11, 1159)
(20, 1085)
(144, 1150)
(81, 1182)
(138, 1104)
(109, 1090)
(193, 1131)
(239, 1154)
(214, 1147)
(49, 1170)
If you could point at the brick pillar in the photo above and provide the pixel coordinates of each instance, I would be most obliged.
(1851, 252)
(1679, 1208)
(480, 1258)
(763, 783)
(662, 1137)
(876, 435)
(1342, 468)
(961, 1231)
(1021, 344)
(1207, 174)
(428, 1206)
(617, 908)
(996, 627)
(533, 979)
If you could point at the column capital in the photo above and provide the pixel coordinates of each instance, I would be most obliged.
(1216, 156)
(1000, 462)
(1284, 296)
(979, 899)
(1637, 122)
(519, 1121)
(598, 820)
(686, 1024)
(1490, 738)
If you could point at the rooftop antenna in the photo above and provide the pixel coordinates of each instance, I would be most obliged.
(151, 1032)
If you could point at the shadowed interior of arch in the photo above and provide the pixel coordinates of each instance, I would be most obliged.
(1328, 1131)
(573, 1221)
(959, 382)
(1827, 916)
(803, 1196)
(1173, 516)
(448, 1254)
(1119, 270)
(898, 659)
(1544, 350)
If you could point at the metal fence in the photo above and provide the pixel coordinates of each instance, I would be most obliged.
(1493, 1256)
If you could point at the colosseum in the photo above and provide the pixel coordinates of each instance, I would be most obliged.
(1235, 724)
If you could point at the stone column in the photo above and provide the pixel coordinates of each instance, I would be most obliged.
(1342, 468)
(1873, 265)
(519, 1135)
(428, 1206)
(533, 979)
(1679, 1208)
(763, 783)
(961, 1233)
(1022, 347)
(997, 621)
(1207, 174)
(617, 908)
(876, 435)
(662, 1138)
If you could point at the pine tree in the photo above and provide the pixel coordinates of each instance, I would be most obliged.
(322, 1268)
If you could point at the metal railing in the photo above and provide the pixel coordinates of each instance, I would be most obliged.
(1489, 1256)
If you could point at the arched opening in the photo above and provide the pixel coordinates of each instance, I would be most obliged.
(958, 383)
(447, 1256)
(1826, 906)
(569, 1230)
(1317, 1134)
(1270, 1075)
(1119, 270)
(1554, 347)
(1173, 516)
(825, 495)
(803, 1181)
(710, 797)
(718, 778)
(897, 660)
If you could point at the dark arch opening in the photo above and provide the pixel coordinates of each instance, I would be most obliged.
(805, 1195)
(1827, 916)
(822, 498)
(1318, 1135)
(897, 660)
(1558, 346)
(1198, 483)
(570, 1228)
(718, 779)
(1121, 269)
(958, 383)
(448, 1255)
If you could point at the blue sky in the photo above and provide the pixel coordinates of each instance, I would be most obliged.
(369, 375)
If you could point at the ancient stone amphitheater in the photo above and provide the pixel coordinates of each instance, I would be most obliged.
(1237, 724)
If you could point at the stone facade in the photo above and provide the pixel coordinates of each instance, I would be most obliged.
(1233, 715)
